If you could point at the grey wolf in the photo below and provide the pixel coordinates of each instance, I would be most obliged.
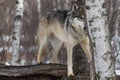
(63, 26)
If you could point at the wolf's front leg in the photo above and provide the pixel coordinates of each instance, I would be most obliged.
(85, 44)
(69, 59)
(87, 49)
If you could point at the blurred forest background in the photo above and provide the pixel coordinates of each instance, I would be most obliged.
(28, 46)
(33, 10)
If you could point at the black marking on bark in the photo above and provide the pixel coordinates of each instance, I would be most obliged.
(90, 21)
(109, 67)
(98, 75)
(20, 8)
(16, 44)
(17, 10)
(99, 36)
(105, 40)
(94, 44)
(104, 57)
(94, 38)
(103, 5)
(14, 38)
(88, 7)
(14, 32)
(107, 37)
(104, 14)
(94, 30)
(93, 1)
(17, 2)
(18, 18)
(18, 61)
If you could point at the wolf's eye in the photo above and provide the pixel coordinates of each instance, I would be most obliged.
(79, 18)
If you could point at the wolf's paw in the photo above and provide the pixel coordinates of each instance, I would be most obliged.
(71, 77)
(38, 62)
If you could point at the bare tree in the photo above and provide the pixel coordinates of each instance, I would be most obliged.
(39, 7)
(17, 31)
(99, 32)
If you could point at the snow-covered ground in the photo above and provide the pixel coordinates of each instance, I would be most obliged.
(7, 63)
(7, 38)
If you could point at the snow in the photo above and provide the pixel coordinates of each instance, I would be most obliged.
(23, 61)
(6, 48)
(7, 63)
(6, 37)
(117, 72)
(33, 61)
(47, 62)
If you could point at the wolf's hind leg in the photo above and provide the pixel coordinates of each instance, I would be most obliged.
(42, 48)
(56, 45)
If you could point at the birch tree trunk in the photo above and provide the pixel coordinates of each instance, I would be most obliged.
(99, 33)
(17, 31)
(39, 8)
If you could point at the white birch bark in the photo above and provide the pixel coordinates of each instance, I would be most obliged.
(99, 33)
(17, 31)
(39, 8)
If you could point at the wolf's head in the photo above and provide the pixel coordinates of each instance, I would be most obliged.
(77, 15)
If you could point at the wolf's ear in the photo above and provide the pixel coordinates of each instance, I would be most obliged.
(74, 6)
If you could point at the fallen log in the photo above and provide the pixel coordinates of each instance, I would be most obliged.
(46, 69)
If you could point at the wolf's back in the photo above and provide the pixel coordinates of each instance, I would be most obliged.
(57, 15)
